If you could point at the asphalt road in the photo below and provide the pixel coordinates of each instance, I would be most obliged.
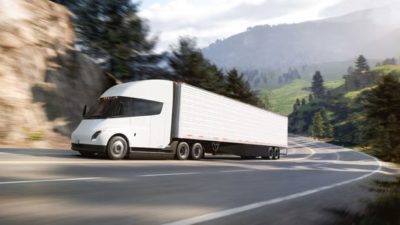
(39, 186)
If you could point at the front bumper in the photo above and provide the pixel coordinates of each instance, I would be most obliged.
(88, 148)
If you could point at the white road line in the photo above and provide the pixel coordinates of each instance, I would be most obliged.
(167, 174)
(48, 180)
(234, 171)
(228, 212)
(297, 159)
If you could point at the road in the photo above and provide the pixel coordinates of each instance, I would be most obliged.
(39, 186)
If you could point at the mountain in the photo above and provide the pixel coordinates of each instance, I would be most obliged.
(373, 32)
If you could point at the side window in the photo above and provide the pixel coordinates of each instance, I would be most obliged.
(140, 107)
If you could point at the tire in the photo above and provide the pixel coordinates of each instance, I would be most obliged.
(275, 154)
(117, 148)
(86, 154)
(278, 154)
(197, 151)
(267, 155)
(182, 151)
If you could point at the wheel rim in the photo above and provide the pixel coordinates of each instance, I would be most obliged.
(183, 151)
(197, 151)
(117, 148)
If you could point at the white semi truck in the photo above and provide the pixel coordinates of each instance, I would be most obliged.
(177, 119)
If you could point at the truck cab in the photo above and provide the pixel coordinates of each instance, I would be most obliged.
(134, 115)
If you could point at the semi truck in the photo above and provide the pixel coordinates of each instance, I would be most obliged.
(176, 119)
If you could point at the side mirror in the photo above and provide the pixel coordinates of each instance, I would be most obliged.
(84, 111)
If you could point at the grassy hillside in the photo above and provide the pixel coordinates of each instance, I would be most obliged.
(283, 98)
(381, 71)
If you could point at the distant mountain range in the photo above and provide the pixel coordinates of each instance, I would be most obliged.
(373, 32)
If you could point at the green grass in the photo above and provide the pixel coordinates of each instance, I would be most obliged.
(385, 70)
(283, 98)
(333, 84)
(382, 71)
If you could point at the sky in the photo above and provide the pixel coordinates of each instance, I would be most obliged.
(209, 20)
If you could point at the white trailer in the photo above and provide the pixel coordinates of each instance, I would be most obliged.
(165, 117)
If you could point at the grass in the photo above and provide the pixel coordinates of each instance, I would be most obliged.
(385, 70)
(332, 84)
(283, 98)
(384, 210)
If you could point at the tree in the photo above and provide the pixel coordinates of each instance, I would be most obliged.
(361, 65)
(328, 128)
(238, 88)
(265, 100)
(317, 86)
(296, 105)
(189, 65)
(317, 127)
(114, 34)
(382, 105)
(303, 102)
(310, 98)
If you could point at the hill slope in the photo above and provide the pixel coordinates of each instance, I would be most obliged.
(310, 43)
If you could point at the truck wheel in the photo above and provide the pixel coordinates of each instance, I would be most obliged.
(197, 151)
(270, 153)
(278, 153)
(182, 151)
(117, 148)
(275, 153)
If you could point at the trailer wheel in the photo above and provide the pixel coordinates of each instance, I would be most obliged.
(279, 153)
(197, 151)
(275, 153)
(182, 151)
(267, 154)
(117, 148)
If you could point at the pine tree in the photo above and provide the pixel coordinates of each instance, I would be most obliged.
(296, 105)
(190, 66)
(303, 101)
(114, 34)
(317, 86)
(361, 65)
(238, 88)
(310, 98)
(317, 127)
(382, 105)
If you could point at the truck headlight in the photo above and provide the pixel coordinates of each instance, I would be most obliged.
(95, 135)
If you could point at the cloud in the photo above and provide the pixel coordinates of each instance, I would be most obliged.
(209, 20)
(346, 6)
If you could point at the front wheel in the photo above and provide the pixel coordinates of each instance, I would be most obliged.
(117, 148)
(182, 151)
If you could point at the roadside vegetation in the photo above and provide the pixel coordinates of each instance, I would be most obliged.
(384, 210)
(363, 111)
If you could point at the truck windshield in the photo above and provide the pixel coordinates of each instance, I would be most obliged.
(104, 108)
(107, 107)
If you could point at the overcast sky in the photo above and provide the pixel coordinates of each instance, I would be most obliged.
(209, 20)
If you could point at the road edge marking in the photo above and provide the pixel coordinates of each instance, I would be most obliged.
(228, 212)
(48, 180)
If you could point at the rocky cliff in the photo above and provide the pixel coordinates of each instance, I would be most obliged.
(44, 81)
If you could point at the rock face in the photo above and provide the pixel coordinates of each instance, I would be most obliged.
(44, 81)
